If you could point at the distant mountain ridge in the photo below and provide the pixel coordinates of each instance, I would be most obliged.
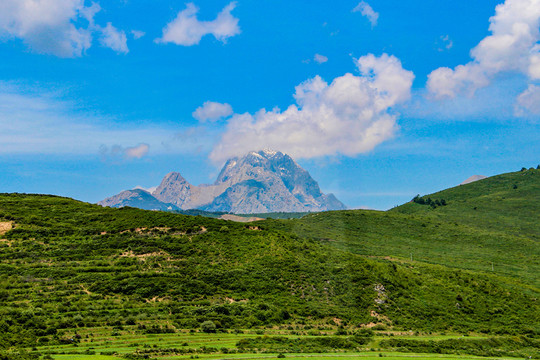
(259, 182)
(137, 198)
(473, 179)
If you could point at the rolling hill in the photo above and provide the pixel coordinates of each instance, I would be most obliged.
(68, 267)
(489, 225)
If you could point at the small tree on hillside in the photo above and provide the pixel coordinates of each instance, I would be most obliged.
(208, 327)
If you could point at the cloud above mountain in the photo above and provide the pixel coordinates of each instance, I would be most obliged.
(212, 111)
(351, 115)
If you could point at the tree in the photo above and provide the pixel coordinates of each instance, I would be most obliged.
(208, 327)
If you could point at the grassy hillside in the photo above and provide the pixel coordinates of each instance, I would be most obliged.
(67, 266)
(508, 203)
(489, 226)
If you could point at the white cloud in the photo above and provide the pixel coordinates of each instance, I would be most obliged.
(351, 115)
(46, 25)
(494, 102)
(187, 30)
(117, 152)
(212, 111)
(366, 10)
(137, 152)
(511, 47)
(137, 34)
(320, 58)
(114, 39)
(51, 26)
(528, 102)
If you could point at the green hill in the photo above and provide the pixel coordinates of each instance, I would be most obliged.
(69, 268)
(508, 203)
(489, 226)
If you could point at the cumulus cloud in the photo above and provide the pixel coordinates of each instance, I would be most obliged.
(528, 102)
(46, 25)
(511, 47)
(351, 115)
(318, 58)
(212, 111)
(366, 10)
(51, 26)
(187, 30)
(114, 39)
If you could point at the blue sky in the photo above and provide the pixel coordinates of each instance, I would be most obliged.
(378, 100)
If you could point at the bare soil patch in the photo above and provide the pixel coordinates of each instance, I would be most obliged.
(143, 256)
(5, 226)
(237, 218)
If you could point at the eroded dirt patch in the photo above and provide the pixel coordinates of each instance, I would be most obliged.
(143, 257)
(237, 218)
(5, 226)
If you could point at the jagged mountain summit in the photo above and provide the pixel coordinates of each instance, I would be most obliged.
(259, 182)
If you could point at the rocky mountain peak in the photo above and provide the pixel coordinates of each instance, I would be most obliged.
(260, 181)
(173, 189)
(256, 164)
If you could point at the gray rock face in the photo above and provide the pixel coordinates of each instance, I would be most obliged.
(259, 182)
(173, 189)
(137, 198)
(269, 181)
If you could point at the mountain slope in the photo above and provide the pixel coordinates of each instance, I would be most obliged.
(489, 225)
(507, 202)
(259, 182)
(137, 198)
(74, 265)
